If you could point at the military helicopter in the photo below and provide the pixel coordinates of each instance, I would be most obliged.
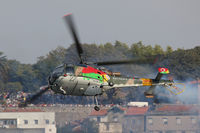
(83, 79)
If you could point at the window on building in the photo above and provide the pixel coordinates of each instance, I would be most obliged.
(115, 119)
(5, 122)
(36, 122)
(170, 131)
(25, 121)
(133, 121)
(12, 122)
(150, 121)
(178, 121)
(165, 121)
(8, 122)
(98, 119)
(47, 121)
(193, 120)
(107, 127)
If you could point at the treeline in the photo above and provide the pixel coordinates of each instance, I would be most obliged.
(183, 64)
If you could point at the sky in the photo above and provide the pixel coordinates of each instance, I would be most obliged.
(31, 28)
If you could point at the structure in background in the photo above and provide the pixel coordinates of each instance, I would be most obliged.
(27, 121)
(120, 119)
(173, 119)
(166, 118)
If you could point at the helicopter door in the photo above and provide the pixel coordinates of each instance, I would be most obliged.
(72, 79)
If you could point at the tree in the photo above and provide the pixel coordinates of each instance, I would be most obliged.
(158, 50)
(137, 49)
(123, 47)
(169, 50)
(3, 67)
(14, 86)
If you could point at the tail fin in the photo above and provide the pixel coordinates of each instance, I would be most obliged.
(150, 92)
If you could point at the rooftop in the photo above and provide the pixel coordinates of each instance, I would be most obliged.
(175, 108)
(126, 111)
(22, 110)
(136, 111)
(101, 112)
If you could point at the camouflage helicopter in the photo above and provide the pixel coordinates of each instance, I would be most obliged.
(83, 79)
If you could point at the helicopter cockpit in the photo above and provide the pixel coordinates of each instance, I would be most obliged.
(58, 71)
(69, 69)
(61, 70)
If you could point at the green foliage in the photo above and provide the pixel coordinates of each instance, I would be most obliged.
(169, 50)
(139, 49)
(3, 68)
(158, 50)
(123, 47)
(13, 86)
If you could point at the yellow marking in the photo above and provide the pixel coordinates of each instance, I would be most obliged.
(105, 77)
(146, 82)
(150, 96)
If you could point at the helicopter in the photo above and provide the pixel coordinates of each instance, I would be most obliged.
(89, 79)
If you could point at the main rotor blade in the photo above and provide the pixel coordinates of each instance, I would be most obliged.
(70, 23)
(132, 61)
(34, 97)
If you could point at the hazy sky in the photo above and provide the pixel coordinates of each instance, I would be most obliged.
(31, 28)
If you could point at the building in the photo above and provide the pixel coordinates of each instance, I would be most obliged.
(27, 121)
(120, 120)
(173, 119)
(134, 120)
(109, 120)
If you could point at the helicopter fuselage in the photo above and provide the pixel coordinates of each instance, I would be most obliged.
(84, 80)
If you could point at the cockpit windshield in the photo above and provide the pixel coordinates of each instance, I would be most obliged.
(69, 69)
(63, 69)
(59, 70)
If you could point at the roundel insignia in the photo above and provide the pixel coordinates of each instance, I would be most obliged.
(163, 70)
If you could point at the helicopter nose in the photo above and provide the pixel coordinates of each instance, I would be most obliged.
(52, 78)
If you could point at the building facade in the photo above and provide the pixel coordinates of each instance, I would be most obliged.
(173, 119)
(43, 122)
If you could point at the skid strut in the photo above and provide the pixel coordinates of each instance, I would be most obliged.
(96, 107)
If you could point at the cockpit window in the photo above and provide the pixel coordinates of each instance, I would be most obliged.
(82, 65)
(59, 70)
(69, 69)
